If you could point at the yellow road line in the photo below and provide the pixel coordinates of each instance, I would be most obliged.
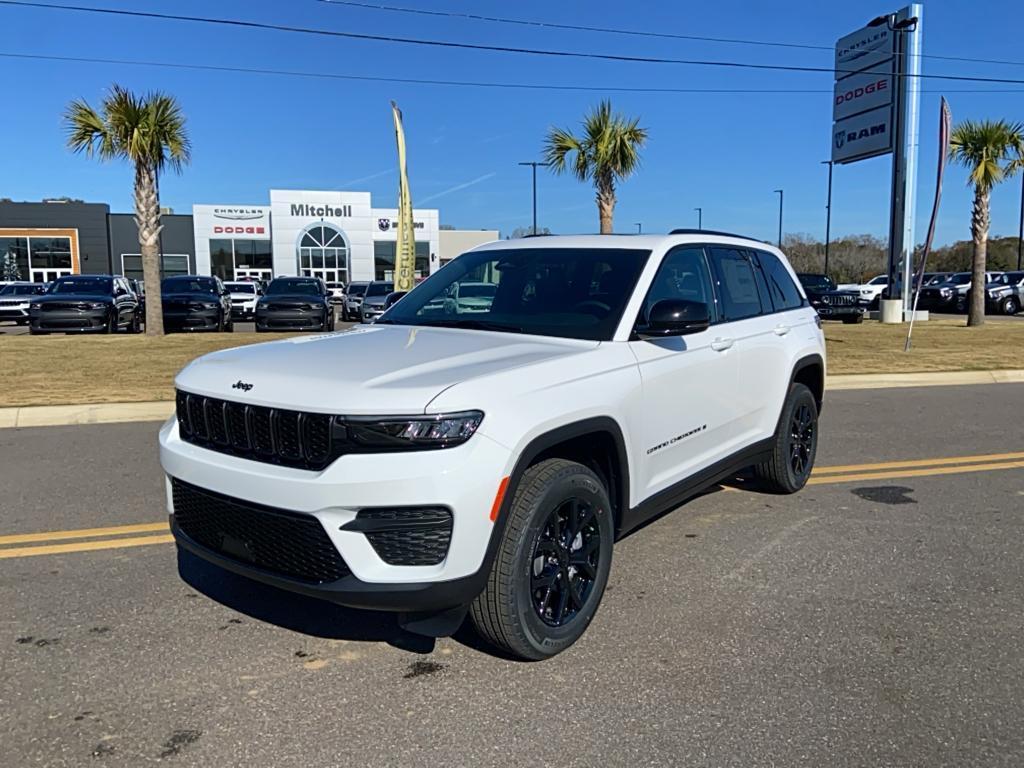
(897, 473)
(84, 546)
(919, 463)
(81, 533)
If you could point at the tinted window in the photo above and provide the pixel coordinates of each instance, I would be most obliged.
(356, 289)
(577, 293)
(93, 285)
(189, 285)
(21, 290)
(880, 280)
(241, 287)
(810, 282)
(299, 287)
(683, 274)
(784, 294)
(737, 286)
(379, 289)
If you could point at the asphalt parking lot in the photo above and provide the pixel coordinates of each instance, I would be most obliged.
(873, 619)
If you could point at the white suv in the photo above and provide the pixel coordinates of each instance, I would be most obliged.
(485, 459)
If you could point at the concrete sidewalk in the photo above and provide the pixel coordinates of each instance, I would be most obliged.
(110, 413)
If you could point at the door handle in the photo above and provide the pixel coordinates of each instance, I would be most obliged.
(720, 344)
(781, 330)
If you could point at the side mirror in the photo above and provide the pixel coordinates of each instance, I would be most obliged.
(675, 317)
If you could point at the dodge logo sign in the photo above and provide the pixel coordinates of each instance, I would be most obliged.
(384, 224)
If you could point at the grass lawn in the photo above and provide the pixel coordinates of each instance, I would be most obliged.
(52, 370)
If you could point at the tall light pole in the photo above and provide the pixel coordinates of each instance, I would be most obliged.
(828, 212)
(700, 217)
(639, 228)
(779, 192)
(534, 166)
(1020, 232)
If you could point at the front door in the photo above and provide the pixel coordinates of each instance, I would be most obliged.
(48, 275)
(686, 414)
(254, 274)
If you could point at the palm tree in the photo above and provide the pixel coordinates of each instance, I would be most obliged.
(149, 132)
(607, 152)
(992, 151)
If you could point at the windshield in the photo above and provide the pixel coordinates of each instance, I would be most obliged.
(188, 285)
(575, 293)
(817, 282)
(357, 289)
(379, 289)
(241, 287)
(20, 290)
(298, 287)
(961, 279)
(97, 285)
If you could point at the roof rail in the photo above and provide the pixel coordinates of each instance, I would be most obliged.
(709, 232)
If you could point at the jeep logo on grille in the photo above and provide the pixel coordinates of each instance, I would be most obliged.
(241, 385)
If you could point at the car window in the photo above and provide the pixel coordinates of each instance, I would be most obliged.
(241, 287)
(84, 285)
(683, 274)
(784, 293)
(379, 289)
(880, 280)
(297, 287)
(189, 285)
(736, 284)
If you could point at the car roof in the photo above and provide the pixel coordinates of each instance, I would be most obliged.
(629, 242)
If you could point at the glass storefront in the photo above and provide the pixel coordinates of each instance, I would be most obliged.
(39, 259)
(323, 252)
(384, 259)
(173, 264)
(234, 259)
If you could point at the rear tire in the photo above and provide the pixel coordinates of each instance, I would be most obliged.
(552, 564)
(112, 322)
(853, 320)
(1010, 306)
(795, 444)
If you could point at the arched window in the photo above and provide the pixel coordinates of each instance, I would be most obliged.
(323, 253)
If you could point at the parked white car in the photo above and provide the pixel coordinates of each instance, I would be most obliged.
(870, 292)
(450, 460)
(15, 298)
(244, 295)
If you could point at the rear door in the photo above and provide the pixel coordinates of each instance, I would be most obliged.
(686, 415)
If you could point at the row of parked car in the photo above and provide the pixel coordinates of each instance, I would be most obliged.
(111, 303)
(950, 291)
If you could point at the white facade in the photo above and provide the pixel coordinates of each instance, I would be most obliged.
(328, 234)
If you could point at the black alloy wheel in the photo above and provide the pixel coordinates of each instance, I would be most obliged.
(112, 321)
(565, 561)
(795, 445)
(801, 440)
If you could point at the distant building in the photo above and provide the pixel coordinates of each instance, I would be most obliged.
(456, 241)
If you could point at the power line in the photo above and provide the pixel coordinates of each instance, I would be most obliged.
(454, 83)
(478, 47)
(630, 32)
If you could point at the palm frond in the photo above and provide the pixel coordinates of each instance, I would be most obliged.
(990, 150)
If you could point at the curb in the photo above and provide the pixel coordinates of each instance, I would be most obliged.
(114, 413)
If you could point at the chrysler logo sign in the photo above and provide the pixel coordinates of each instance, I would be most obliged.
(238, 214)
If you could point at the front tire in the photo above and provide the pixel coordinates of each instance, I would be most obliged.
(112, 322)
(552, 564)
(853, 319)
(795, 444)
(1010, 306)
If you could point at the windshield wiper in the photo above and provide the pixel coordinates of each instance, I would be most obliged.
(478, 325)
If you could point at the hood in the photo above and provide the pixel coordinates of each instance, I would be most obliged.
(292, 298)
(382, 369)
(71, 297)
(180, 298)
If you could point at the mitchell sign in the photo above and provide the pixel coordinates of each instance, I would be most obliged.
(330, 211)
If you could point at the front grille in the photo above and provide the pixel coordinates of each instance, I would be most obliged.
(411, 536)
(276, 540)
(838, 299)
(63, 306)
(275, 307)
(273, 435)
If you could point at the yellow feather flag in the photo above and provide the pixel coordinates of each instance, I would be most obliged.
(405, 247)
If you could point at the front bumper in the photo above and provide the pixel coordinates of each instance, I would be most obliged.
(191, 320)
(837, 313)
(14, 312)
(370, 313)
(71, 320)
(243, 311)
(463, 479)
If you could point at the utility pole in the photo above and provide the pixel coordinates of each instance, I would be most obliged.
(828, 213)
(700, 217)
(534, 166)
(779, 192)
(1020, 231)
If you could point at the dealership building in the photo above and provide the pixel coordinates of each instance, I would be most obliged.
(335, 235)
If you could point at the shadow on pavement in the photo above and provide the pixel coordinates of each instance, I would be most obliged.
(296, 612)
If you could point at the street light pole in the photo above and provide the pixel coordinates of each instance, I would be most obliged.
(639, 228)
(700, 217)
(1020, 231)
(534, 166)
(828, 213)
(779, 192)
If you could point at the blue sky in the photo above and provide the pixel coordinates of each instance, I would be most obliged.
(725, 153)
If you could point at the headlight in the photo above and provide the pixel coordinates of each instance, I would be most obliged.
(946, 291)
(415, 433)
(98, 305)
(34, 307)
(203, 305)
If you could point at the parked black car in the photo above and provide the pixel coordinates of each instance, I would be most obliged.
(295, 304)
(373, 300)
(831, 303)
(196, 303)
(1005, 294)
(15, 298)
(84, 304)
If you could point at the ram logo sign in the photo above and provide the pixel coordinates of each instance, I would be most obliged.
(864, 135)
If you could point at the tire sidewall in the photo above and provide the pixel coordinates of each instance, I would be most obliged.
(544, 639)
(799, 394)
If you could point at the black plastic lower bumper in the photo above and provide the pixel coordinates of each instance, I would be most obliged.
(415, 597)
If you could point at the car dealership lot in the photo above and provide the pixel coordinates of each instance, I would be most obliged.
(872, 619)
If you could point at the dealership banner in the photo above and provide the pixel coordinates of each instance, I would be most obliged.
(405, 249)
(862, 98)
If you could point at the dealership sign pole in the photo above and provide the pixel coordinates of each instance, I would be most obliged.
(405, 251)
(875, 112)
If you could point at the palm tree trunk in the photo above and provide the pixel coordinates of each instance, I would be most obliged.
(606, 205)
(979, 232)
(147, 217)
